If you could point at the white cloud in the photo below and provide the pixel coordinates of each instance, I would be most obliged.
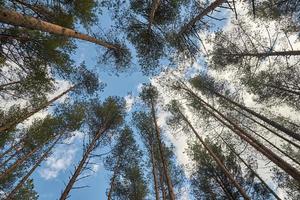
(62, 157)
(129, 102)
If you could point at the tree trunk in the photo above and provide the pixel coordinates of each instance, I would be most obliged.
(37, 164)
(21, 160)
(9, 150)
(225, 190)
(216, 159)
(155, 4)
(261, 117)
(283, 89)
(164, 163)
(265, 54)
(8, 84)
(162, 186)
(154, 173)
(2, 165)
(17, 19)
(270, 143)
(248, 138)
(10, 125)
(187, 27)
(112, 182)
(250, 168)
(82, 164)
(267, 128)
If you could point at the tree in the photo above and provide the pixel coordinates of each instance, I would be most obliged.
(127, 179)
(149, 95)
(102, 118)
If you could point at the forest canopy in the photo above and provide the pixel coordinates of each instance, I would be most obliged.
(149, 99)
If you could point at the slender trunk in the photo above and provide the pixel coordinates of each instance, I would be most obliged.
(37, 164)
(154, 173)
(9, 84)
(225, 190)
(248, 138)
(10, 157)
(155, 4)
(9, 150)
(261, 117)
(81, 166)
(187, 27)
(10, 125)
(164, 163)
(216, 159)
(17, 19)
(37, 9)
(250, 168)
(267, 128)
(283, 89)
(162, 186)
(265, 54)
(270, 143)
(21, 160)
(112, 182)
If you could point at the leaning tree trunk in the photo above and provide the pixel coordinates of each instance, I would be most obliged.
(2, 87)
(155, 4)
(248, 138)
(261, 117)
(17, 19)
(21, 160)
(11, 125)
(225, 190)
(287, 90)
(252, 170)
(264, 54)
(37, 164)
(82, 164)
(267, 128)
(188, 27)
(216, 159)
(164, 163)
(2, 164)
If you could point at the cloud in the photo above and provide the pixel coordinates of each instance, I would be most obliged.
(129, 102)
(62, 157)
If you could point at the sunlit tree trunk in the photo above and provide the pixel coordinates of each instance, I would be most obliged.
(153, 163)
(17, 19)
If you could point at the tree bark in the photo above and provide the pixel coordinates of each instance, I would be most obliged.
(250, 168)
(216, 159)
(17, 19)
(248, 138)
(164, 163)
(225, 190)
(10, 157)
(187, 27)
(155, 4)
(162, 187)
(37, 164)
(82, 163)
(9, 150)
(10, 125)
